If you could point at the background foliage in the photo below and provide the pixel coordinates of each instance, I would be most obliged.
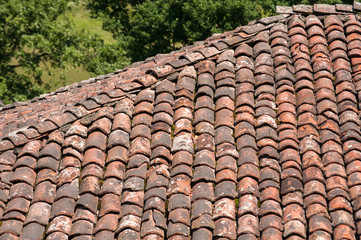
(42, 41)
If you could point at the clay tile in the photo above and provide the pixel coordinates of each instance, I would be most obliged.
(339, 203)
(343, 231)
(227, 55)
(177, 229)
(269, 151)
(18, 204)
(39, 212)
(293, 228)
(290, 185)
(303, 8)
(248, 204)
(9, 158)
(271, 222)
(204, 115)
(32, 148)
(337, 44)
(220, 45)
(56, 136)
(266, 120)
(264, 69)
(294, 212)
(145, 95)
(125, 106)
(185, 83)
(11, 227)
(143, 107)
(319, 222)
(338, 53)
(245, 75)
(147, 80)
(313, 20)
(279, 27)
(336, 35)
(356, 6)
(226, 149)
(267, 111)
(226, 228)
(69, 190)
(280, 50)
(262, 36)
(248, 185)
(203, 173)
(206, 66)
(299, 31)
(202, 234)
(315, 30)
(77, 129)
(279, 40)
(226, 174)
(264, 79)
(102, 124)
(292, 198)
(21, 190)
(344, 8)
(332, 20)
(249, 224)
(260, 48)
(200, 207)
(225, 66)
(312, 173)
(97, 140)
(128, 233)
(46, 175)
(52, 150)
(243, 50)
(179, 63)
(105, 112)
(188, 72)
(270, 207)
(165, 86)
(225, 189)
(244, 128)
(24, 174)
(267, 184)
(203, 191)
(296, 20)
(272, 19)
(352, 25)
(282, 10)
(263, 59)
(33, 231)
(324, 8)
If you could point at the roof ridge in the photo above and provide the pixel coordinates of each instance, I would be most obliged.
(320, 9)
(256, 136)
(93, 93)
(119, 84)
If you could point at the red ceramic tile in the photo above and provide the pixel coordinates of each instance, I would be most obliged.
(274, 119)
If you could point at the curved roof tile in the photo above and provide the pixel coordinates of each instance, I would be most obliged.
(253, 133)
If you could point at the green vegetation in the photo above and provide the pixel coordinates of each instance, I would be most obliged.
(45, 44)
(43, 40)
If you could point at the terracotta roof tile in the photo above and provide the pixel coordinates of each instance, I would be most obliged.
(253, 133)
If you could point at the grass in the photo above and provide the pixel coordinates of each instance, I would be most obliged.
(83, 22)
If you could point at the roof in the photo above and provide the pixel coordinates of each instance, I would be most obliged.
(253, 133)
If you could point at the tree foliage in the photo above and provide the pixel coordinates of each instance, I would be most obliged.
(149, 27)
(37, 37)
